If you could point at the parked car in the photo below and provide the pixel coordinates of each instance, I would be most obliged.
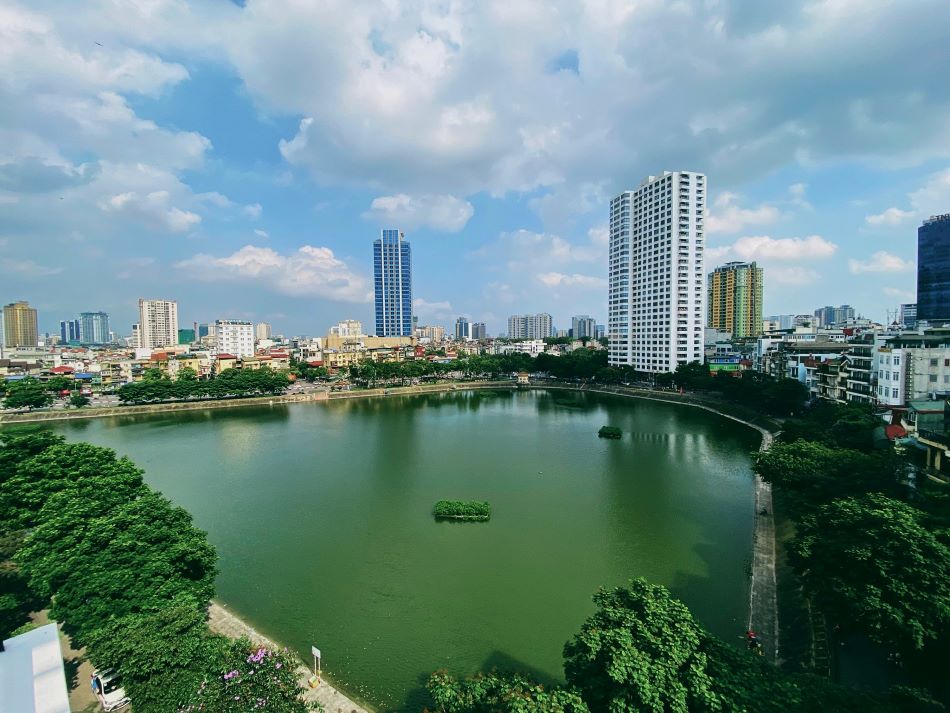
(109, 690)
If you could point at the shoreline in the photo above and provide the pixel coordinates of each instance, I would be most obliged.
(222, 620)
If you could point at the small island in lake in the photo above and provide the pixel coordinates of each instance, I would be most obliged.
(609, 432)
(475, 510)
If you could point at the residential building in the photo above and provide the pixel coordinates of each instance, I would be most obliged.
(913, 366)
(19, 325)
(583, 327)
(735, 299)
(530, 326)
(783, 321)
(601, 331)
(834, 316)
(234, 336)
(347, 328)
(532, 347)
(656, 300)
(69, 331)
(462, 329)
(94, 328)
(32, 672)
(392, 271)
(262, 330)
(933, 270)
(158, 324)
(479, 331)
(430, 333)
(908, 315)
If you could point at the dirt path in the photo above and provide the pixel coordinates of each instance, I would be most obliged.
(763, 593)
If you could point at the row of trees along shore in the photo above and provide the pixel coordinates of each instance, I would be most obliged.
(128, 576)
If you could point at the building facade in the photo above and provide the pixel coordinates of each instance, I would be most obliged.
(530, 326)
(479, 331)
(94, 328)
(69, 331)
(656, 301)
(933, 270)
(462, 329)
(392, 272)
(735, 299)
(347, 328)
(234, 336)
(19, 325)
(262, 330)
(583, 327)
(913, 366)
(908, 315)
(158, 324)
(831, 316)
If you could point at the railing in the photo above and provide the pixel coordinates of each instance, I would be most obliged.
(934, 436)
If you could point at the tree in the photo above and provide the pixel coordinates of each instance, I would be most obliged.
(640, 651)
(28, 393)
(15, 447)
(247, 675)
(154, 374)
(56, 384)
(186, 373)
(870, 564)
(78, 400)
(495, 693)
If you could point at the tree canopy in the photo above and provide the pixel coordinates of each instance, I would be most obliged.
(27, 393)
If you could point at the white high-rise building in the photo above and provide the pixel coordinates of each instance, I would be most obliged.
(347, 328)
(656, 299)
(234, 336)
(530, 326)
(262, 330)
(158, 324)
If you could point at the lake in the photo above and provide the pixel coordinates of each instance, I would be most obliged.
(321, 514)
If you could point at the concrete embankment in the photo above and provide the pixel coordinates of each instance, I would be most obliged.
(224, 622)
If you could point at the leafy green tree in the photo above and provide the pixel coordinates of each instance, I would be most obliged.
(640, 651)
(17, 600)
(27, 393)
(186, 373)
(154, 374)
(870, 564)
(78, 400)
(16, 447)
(56, 384)
(134, 557)
(247, 675)
(496, 693)
(86, 471)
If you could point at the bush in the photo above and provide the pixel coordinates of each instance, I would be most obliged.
(459, 510)
(609, 432)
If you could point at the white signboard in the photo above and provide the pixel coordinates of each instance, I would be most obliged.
(315, 651)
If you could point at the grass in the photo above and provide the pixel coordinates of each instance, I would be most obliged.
(473, 510)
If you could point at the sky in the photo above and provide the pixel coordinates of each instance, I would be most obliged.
(241, 157)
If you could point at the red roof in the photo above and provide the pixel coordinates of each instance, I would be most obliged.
(894, 431)
(61, 370)
(226, 356)
(316, 362)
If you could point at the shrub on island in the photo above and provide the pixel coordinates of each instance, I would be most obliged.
(609, 432)
(477, 510)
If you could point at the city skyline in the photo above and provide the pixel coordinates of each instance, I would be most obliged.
(167, 162)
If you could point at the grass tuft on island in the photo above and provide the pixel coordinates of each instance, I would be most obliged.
(609, 432)
(473, 510)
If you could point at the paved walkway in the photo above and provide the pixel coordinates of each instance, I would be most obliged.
(224, 622)
(763, 594)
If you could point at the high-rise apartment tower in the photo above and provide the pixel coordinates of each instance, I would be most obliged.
(158, 324)
(656, 301)
(392, 270)
(735, 299)
(19, 325)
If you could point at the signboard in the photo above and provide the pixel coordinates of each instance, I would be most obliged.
(316, 652)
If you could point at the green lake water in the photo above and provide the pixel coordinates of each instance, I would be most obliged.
(321, 514)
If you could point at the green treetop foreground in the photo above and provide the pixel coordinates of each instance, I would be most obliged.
(476, 510)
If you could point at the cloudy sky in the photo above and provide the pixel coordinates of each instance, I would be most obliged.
(241, 157)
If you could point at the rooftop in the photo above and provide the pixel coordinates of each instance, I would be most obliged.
(32, 677)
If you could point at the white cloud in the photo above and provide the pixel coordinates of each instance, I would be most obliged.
(310, 271)
(440, 212)
(153, 209)
(891, 216)
(792, 275)
(880, 261)
(559, 279)
(797, 196)
(253, 211)
(261, 233)
(904, 295)
(28, 268)
(432, 311)
(727, 217)
(764, 247)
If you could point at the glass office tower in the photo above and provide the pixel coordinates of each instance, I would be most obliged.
(392, 270)
(933, 269)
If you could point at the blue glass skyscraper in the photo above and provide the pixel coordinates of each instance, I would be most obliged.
(392, 271)
(933, 269)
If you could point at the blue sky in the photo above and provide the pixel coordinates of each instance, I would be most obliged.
(241, 158)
